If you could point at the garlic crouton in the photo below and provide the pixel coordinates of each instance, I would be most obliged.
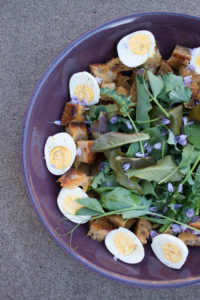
(99, 229)
(103, 72)
(155, 61)
(118, 221)
(180, 56)
(116, 65)
(189, 238)
(87, 155)
(73, 113)
(143, 229)
(77, 131)
(74, 178)
(165, 68)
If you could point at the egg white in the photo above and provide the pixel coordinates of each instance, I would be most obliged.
(62, 139)
(162, 239)
(195, 53)
(87, 79)
(64, 192)
(130, 59)
(135, 257)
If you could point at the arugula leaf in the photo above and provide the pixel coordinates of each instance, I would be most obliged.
(87, 212)
(176, 115)
(133, 149)
(143, 103)
(193, 134)
(180, 94)
(148, 188)
(91, 203)
(159, 171)
(171, 81)
(156, 83)
(111, 140)
(119, 126)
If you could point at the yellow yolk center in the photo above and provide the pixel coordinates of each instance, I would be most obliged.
(123, 243)
(140, 44)
(60, 157)
(83, 91)
(171, 252)
(70, 205)
(197, 61)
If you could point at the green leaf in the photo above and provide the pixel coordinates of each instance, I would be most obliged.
(176, 115)
(111, 140)
(159, 171)
(171, 138)
(87, 212)
(133, 149)
(91, 203)
(143, 103)
(156, 83)
(189, 156)
(180, 94)
(156, 220)
(193, 134)
(136, 213)
(148, 188)
(136, 163)
(155, 134)
(98, 180)
(194, 113)
(171, 81)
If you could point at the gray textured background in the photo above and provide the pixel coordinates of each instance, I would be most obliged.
(32, 33)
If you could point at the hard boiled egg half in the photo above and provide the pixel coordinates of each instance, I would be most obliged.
(170, 250)
(125, 245)
(195, 59)
(84, 86)
(68, 206)
(59, 152)
(134, 49)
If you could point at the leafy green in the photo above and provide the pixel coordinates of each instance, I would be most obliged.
(148, 188)
(193, 134)
(194, 113)
(95, 110)
(156, 83)
(176, 115)
(159, 171)
(91, 203)
(189, 156)
(155, 134)
(119, 126)
(113, 140)
(136, 163)
(143, 103)
(87, 212)
(133, 149)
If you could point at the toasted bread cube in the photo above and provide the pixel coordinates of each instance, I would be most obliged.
(180, 56)
(73, 178)
(165, 68)
(103, 72)
(73, 113)
(77, 131)
(195, 224)
(116, 65)
(123, 87)
(118, 221)
(155, 61)
(99, 228)
(87, 155)
(111, 86)
(189, 238)
(143, 229)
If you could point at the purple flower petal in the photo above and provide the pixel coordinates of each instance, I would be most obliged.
(140, 71)
(157, 146)
(177, 206)
(181, 139)
(78, 152)
(153, 233)
(98, 79)
(125, 44)
(170, 187)
(175, 228)
(180, 188)
(185, 120)
(190, 67)
(57, 123)
(126, 166)
(183, 228)
(153, 209)
(138, 154)
(113, 120)
(165, 121)
(128, 125)
(164, 131)
(102, 166)
(187, 80)
(108, 183)
(190, 212)
(165, 209)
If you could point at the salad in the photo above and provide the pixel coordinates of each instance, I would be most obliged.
(128, 151)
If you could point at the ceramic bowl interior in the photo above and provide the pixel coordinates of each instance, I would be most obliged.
(46, 105)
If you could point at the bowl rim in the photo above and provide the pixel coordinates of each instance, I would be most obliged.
(190, 281)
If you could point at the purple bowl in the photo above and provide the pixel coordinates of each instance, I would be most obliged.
(47, 103)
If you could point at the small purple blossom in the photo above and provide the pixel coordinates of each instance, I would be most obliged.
(164, 131)
(108, 183)
(185, 120)
(140, 71)
(57, 122)
(98, 79)
(180, 188)
(177, 206)
(195, 219)
(165, 121)
(126, 166)
(153, 233)
(175, 228)
(190, 212)
(190, 67)
(187, 80)
(148, 148)
(102, 166)
(128, 125)
(114, 258)
(183, 228)
(113, 120)
(125, 44)
(196, 232)
(86, 108)
(157, 146)
(170, 187)
(86, 122)
(181, 139)
(165, 209)
(153, 209)
(78, 152)
(75, 100)
(192, 51)
(139, 154)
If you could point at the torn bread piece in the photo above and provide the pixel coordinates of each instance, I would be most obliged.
(73, 179)
(117, 66)
(103, 72)
(86, 153)
(165, 68)
(118, 221)
(109, 85)
(143, 229)
(99, 228)
(77, 131)
(154, 62)
(189, 238)
(73, 113)
(180, 56)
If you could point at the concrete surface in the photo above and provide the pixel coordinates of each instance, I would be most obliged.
(32, 33)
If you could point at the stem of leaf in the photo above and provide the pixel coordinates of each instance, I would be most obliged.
(144, 122)
(191, 170)
(163, 148)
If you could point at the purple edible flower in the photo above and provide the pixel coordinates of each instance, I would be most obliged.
(153, 233)
(113, 120)
(140, 71)
(165, 121)
(177, 206)
(192, 51)
(170, 187)
(138, 154)
(180, 188)
(181, 139)
(98, 79)
(108, 183)
(57, 123)
(126, 166)
(165, 209)
(102, 166)
(190, 67)
(164, 131)
(190, 212)
(187, 80)
(195, 219)
(78, 152)
(86, 122)
(153, 209)
(157, 146)
(183, 228)
(148, 148)
(175, 228)
(128, 125)
(185, 120)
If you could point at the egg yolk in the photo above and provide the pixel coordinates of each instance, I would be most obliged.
(139, 44)
(171, 252)
(123, 243)
(197, 61)
(83, 91)
(60, 157)
(70, 205)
